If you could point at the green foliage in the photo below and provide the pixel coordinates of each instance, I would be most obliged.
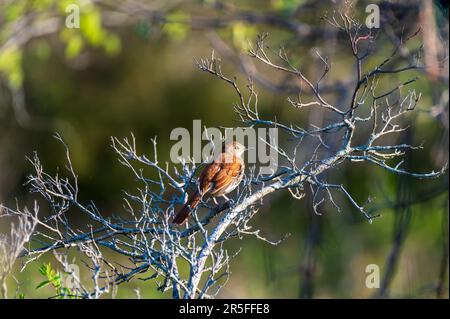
(286, 6)
(91, 26)
(10, 66)
(14, 10)
(53, 278)
(242, 35)
(91, 32)
(42, 49)
(112, 44)
(176, 27)
(142, 29)
(74, 46)
(41, 5)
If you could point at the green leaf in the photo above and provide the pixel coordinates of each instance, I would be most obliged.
(43, 284)
(44, 269)
(14, 10)
(74, 46)
(112, 44)
(242, 34)
(142, 29)
(176, 26)
(11, 66)
(91, 26)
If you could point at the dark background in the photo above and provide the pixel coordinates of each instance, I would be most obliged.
(139, 76)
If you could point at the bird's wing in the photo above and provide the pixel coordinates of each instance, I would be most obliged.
(226, 176)
(207, 177)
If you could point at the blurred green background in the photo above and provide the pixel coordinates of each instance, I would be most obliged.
(130, 68)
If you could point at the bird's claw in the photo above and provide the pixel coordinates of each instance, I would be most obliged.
(231, 202)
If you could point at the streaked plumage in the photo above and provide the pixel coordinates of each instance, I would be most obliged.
(218, 178)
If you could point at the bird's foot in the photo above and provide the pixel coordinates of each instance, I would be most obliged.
(230, 201)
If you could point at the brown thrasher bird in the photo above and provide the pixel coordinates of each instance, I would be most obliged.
(218, 178)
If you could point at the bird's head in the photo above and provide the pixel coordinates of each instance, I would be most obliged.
(235, 148)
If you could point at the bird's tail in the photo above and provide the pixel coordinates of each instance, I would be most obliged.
(183, 214)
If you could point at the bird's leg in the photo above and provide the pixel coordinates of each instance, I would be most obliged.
(215, 200)
(228, 200)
